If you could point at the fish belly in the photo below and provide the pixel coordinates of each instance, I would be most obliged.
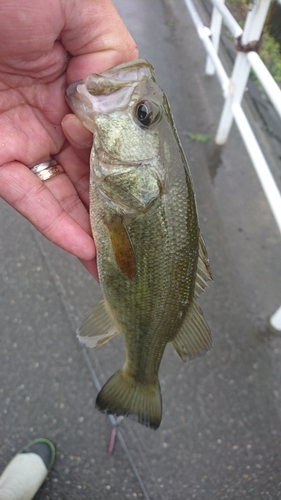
(149, 308)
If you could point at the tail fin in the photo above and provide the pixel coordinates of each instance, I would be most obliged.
(123, 395)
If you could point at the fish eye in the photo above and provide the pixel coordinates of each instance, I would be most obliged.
(146, 113)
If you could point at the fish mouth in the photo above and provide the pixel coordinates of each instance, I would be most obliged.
(132, 71)
(108, 91)
(79, 103)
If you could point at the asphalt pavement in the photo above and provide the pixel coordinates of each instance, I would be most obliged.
(220, 434)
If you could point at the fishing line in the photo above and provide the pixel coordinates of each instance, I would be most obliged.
(62, 294)
(114, 423)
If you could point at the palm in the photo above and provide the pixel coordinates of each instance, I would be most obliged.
(31, 127)
(35, 67)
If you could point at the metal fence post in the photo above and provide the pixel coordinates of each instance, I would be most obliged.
(215, 28)
(233, 90)
(252, 32)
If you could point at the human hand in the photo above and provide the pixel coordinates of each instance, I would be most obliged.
(44, 46)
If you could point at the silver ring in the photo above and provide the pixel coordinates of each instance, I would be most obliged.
(47, 169)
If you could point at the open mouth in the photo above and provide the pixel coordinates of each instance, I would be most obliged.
(108, 91)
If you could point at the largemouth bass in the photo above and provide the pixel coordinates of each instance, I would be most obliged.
(152, 261)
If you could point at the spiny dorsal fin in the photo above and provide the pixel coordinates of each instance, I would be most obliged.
(203, 273)
(97, 327)
(194, 338)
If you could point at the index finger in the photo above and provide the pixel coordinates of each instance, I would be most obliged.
(25, 192)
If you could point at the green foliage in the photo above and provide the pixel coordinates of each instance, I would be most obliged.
(270, 51)
(271, 56)
(198, 137)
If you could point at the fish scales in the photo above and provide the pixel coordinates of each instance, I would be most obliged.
(152, 261)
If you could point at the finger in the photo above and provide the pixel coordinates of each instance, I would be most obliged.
(78, 136)
(103, 42)
(71, 203)
(77, 171)
(66, 195)
(31, 197)
(29, 142)
(91, 266)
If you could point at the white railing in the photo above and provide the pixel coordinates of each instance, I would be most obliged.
(233, 89)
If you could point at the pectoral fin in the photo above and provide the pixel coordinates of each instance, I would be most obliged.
(97, 327)
(194, 337)
(135, 189)
(122, 247)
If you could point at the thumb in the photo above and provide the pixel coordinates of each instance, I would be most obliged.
(96, 36)
(78, 136)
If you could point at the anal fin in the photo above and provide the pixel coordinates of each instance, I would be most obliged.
(193, 338)
(97, 327)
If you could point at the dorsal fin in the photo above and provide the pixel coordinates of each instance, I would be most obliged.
(203, 273)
